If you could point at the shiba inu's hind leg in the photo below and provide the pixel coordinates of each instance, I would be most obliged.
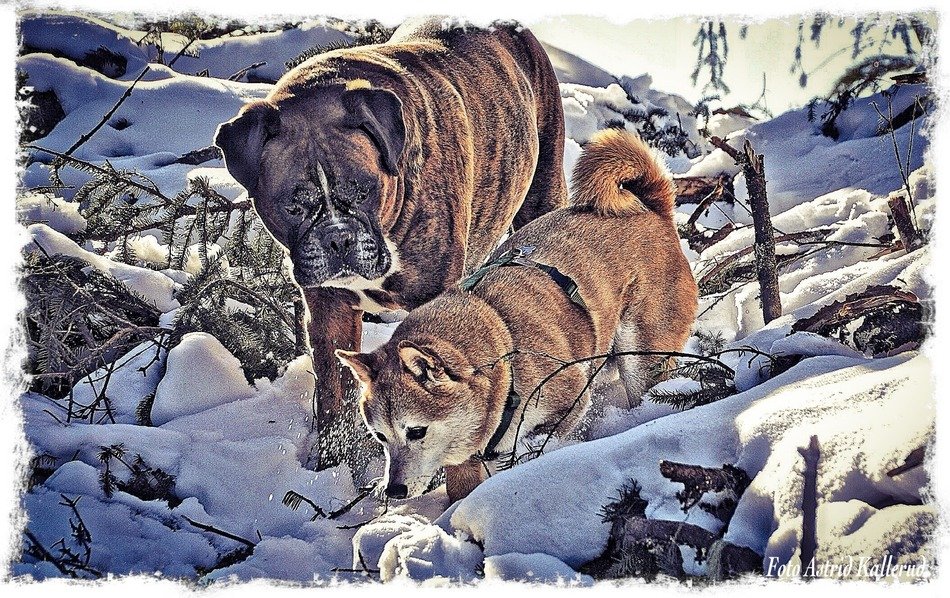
(635, 370)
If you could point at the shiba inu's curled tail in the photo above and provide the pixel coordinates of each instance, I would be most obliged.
(619, 175)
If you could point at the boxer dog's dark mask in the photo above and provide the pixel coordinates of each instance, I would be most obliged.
(320, 169)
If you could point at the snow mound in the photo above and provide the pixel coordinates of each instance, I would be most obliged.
(222, 57)
(802, 164)
(220, 379)
(428, 553)
(533, 568)
(131, 379)
(574, 69)
(160, 121)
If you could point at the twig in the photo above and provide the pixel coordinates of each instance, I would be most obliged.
(84, 138)
(704, 204)
(46, 556)
(214, 530)
(348, 506)
(897, 153)
(180, 52)
(293, 499)
(236, 76)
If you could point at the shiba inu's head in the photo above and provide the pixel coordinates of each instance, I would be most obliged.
(428, 405)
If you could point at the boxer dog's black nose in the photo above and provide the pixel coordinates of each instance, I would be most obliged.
(339, 240)
(397, 491)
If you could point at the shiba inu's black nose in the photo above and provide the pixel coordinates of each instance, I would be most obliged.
(397, 491)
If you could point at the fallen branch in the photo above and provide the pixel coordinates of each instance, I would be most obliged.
(890, 319)
(697, 481)
(220, 532)
(199, 156)
(913, 460)
(734, 257)
(690, 190)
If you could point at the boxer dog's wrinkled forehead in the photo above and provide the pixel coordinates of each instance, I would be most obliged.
(319, 166)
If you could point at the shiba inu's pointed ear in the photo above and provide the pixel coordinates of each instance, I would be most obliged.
(422, 362)
(361, 364)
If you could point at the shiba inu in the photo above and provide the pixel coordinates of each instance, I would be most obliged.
(506, 354)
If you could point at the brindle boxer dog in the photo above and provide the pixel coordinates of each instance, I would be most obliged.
(388, 171)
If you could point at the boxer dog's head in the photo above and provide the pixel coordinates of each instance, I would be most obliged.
(320, 166)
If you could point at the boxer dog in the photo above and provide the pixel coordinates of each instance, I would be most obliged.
(388, 171)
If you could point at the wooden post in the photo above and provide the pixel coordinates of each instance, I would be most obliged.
(906, 230)
(753, 166)
(809, 544)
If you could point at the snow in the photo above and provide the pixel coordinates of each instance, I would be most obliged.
(235, 449)
(165, 119)
(865, 413)
(428, 553)
(221, 57)
(810, 164)
(181, 393)
(131, 379)
(55, 212)
(533, 568)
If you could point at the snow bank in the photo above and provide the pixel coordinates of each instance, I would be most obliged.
(125, 537)
(221, 57)
(574, 69)
(159, 122)
(231, 464)
(802, 164)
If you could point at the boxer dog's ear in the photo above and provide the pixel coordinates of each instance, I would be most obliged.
(378, 112)
(242, 140)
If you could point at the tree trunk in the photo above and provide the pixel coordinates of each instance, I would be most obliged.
(906, 230)
(766, 267)
(753, 166)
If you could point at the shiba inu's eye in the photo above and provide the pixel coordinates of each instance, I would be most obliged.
(381, 437)
(416, 433)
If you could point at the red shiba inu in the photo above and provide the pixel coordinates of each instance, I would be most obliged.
(605, 274)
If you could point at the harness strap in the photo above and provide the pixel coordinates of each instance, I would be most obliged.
(518, 257)
(511, 405)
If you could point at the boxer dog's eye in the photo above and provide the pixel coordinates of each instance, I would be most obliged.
(416, 433)
(294, 210)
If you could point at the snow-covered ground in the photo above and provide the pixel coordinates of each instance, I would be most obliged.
(235, 449)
